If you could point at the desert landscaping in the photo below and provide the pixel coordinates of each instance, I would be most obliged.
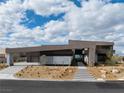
(47, 72)
(2, 66)
(107, 72)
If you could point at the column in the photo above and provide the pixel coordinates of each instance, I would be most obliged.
(9, 59)
(92, 56)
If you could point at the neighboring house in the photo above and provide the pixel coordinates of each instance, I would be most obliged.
(75, 53)
(2, 56)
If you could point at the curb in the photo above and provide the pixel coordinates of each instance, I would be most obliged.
(74, 80)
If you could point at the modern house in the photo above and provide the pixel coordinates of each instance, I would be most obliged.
(75, 53)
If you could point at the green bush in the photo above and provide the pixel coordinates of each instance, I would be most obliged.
(112, 60)
(110, 63)
(98, 64)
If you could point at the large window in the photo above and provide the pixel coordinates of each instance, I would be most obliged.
(101, 57)
(104, 47)
(78, 57)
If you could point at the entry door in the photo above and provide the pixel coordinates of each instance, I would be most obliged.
(79, 56)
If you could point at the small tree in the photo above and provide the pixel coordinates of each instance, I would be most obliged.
(122, 58)
(110, 59)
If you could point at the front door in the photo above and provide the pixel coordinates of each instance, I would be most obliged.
(79, 57)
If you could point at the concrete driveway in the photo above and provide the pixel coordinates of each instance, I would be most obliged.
(8, 73)
(26, 63)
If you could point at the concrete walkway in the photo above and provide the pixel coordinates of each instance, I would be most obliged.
(83, 75)
(8, 73)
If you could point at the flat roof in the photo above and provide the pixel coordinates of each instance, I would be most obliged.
(71, 45)
(93, 42)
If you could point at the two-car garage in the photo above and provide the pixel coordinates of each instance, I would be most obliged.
(59, 57)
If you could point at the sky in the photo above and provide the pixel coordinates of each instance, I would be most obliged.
(40, 22)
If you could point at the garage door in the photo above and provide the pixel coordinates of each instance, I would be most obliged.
(59, 60)
(62, 59)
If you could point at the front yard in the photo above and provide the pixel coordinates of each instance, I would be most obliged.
(107, 72)
(47, 72)
(68, 72)
(2, 66)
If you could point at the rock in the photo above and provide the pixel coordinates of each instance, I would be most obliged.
(103, 71)
(115, 71)
(70, 71)
(103, 76)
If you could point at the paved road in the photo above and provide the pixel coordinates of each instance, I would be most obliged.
(15, 86)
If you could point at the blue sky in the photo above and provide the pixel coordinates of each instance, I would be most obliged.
(37, 20)
(32, 23)
(117, 1)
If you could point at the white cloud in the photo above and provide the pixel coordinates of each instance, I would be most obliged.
(48, 7)
(10, 15)
(95, 20)
(12, 34)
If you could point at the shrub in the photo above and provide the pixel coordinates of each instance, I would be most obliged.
(110, 63)
(112, 60)
(99, 64)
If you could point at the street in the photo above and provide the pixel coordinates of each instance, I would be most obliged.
(23, 86)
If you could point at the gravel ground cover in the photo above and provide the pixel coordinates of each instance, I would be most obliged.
(48, 72)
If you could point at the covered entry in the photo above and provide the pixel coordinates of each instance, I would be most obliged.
(80, 57)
